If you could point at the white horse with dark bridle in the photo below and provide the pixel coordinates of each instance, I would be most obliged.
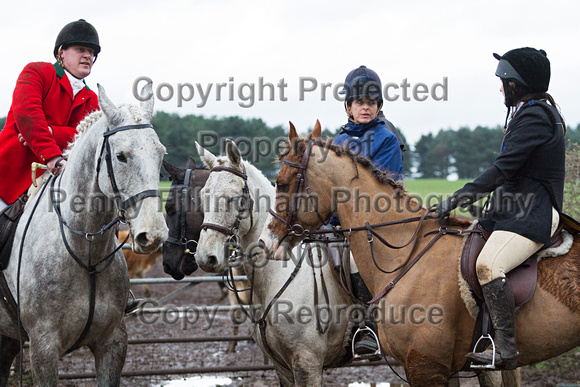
(237, 198)
(66, 272)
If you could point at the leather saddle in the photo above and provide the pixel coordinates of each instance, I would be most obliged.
(522, 279)
(9, 217)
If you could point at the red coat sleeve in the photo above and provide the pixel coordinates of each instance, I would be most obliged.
(33, 84)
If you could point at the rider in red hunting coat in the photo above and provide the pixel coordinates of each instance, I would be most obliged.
(48, 103)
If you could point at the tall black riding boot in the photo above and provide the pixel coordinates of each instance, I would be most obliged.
(499, 299)
(365, 343)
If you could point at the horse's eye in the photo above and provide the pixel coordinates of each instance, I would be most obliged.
(121, 157)
(282, 187)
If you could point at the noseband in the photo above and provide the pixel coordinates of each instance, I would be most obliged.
(106, 150)
(301, 183)
(248, 205)
(185, 193)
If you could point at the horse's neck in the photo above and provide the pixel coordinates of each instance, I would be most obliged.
(258, 184)
(370, 200)
(83, 205)
(263, 195)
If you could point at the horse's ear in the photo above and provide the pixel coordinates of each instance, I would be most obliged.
(233, 154)
(292, 134)
(190, 163)
(174, 172)
(147, 101)
(317, 132)
(113, 114)
(206, 156)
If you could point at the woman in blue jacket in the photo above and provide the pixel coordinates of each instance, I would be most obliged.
(367, 136)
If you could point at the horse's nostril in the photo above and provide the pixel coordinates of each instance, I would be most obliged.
(143, 239)
(212, 260)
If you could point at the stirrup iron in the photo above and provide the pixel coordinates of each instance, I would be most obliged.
(485, 366)
(366, 355)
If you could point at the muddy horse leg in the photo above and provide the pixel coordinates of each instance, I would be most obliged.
(44, 361)
(110, 357)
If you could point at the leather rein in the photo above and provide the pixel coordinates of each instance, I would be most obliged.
(296, 229)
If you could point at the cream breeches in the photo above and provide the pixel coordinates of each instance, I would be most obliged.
(506, 250)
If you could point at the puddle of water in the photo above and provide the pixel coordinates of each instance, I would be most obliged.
(198, 381)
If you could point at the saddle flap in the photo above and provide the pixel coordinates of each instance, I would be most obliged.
(522, 279)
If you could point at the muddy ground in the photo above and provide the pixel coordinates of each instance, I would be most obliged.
(561, 371)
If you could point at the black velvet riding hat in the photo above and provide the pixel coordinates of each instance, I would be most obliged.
(79, 33)
(526, 65)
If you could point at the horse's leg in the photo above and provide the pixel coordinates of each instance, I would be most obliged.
(307, 369)
(110, 357)
(44, 360)
(285, 379)
(237, 316)
(9, 348)
(490, 379)
(512, 378)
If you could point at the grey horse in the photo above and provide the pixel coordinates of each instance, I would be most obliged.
(65, 273)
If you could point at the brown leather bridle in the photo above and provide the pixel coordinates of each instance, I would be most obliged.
(298, 230)
(248, 205)
(301, 184)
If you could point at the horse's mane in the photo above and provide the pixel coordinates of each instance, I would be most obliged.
(380, 176)
(89, 120)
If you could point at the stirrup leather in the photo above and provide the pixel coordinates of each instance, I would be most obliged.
(366, 355)
(485, 366)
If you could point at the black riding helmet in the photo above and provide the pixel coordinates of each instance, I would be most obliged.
(526, 65)
(362, 82)
(79, 33)
(528, 68)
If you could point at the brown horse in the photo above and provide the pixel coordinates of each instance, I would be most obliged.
(424, 322)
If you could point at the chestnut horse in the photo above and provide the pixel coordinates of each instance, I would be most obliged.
(424, 323)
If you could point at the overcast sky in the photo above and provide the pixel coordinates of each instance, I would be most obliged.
(445, 45)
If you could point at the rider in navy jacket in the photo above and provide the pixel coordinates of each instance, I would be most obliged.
(375, 142)
(367, 135)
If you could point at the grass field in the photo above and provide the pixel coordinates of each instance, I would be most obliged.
(431, 191)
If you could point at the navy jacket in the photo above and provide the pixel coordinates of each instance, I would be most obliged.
(375, 142)
(527, 178)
